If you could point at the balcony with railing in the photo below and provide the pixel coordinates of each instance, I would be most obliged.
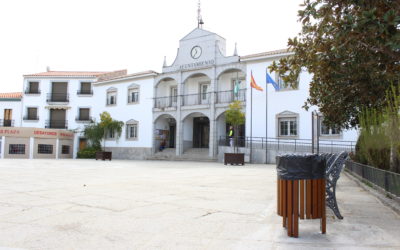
(6, 123)
(196, 99)
(84, 92)
(60, 124)
(230, 96)
(32, 91)
(31, 118)
(83, 118)
(165, 102)
(58, 97)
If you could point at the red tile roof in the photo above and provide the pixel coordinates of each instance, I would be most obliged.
(13, 95)
(69, 73)
(128, 76)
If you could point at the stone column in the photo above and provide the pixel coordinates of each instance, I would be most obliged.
(179, 124)
(213, 128)
(3, 146)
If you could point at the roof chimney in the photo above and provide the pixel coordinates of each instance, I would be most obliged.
(48, 68)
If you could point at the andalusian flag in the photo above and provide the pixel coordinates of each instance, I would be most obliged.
(253, 83)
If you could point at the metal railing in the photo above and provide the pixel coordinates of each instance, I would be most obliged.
(290, 145)
(57, 97)
(84, 119)
(230, 96)
(84, 92)
(31, 91)
(386, 180)
(165, 102)
(196, 99)
(61, 124)
(31, 118)
(7, 123)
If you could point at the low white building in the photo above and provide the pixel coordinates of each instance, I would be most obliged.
(10, 109)
(183, 108)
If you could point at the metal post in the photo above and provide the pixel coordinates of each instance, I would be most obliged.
(318, 129)
(312, 132)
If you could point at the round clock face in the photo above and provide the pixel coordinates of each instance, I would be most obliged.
(195, 52)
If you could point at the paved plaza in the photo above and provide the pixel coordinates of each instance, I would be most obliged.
(87, 204)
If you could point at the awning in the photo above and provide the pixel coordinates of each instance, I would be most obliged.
(57, 107)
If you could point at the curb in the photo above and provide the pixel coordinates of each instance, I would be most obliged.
(393, 203)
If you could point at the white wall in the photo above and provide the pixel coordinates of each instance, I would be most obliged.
(40, 101)
(16, 107)
(280, 101)
(122, 111)
(225, 81)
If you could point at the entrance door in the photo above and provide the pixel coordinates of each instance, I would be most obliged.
(201, 132)
(82, 143)
(7, 118)
(57, 118)
(172, 136)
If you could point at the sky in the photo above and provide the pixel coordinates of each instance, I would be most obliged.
(101, 35)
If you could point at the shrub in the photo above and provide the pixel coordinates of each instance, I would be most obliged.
(88, 153)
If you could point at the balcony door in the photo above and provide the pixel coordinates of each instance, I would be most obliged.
(59, 91)
(57, 118)
(173, 96)
(204, 96)
(7, 117)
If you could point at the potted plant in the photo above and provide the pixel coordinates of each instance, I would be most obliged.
(97, 132)
(235, 117)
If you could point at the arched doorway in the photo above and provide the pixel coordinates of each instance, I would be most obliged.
(165, 132)
(196, 131)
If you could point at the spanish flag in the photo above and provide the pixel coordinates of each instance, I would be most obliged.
(253, 83)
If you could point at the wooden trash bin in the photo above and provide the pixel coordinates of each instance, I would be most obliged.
(301, 191)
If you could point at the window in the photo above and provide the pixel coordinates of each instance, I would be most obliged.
(45, 149)
(133, 96)
(132, 129)
(86, 88)
(32, 114)
(283, 85)
(287, 124)
(7, 122)
(328, 131)
(65, 149)
(174, 95)
(16, 149)
(110, 134)
(33, 88)
(84, 114)
(287, 127)
(204, 91)
(112, 96)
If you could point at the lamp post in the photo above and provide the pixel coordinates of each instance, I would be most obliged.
(315, 114)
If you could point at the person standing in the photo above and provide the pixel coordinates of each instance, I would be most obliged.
(230, 135)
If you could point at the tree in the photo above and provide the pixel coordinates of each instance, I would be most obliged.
(96, 132)
(235, 117)
(379, 141)
(352, 49)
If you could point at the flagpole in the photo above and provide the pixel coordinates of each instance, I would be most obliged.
(266, 119)
(251, 119)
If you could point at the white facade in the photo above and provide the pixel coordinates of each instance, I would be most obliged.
(183, 107)
(10, 111)
(132, 112)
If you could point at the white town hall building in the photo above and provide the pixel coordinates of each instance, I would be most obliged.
(183, 106)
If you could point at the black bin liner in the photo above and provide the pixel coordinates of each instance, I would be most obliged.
(301, 167)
